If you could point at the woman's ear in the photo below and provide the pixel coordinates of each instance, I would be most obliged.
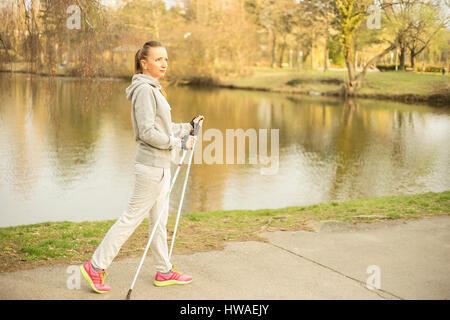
(144, 65)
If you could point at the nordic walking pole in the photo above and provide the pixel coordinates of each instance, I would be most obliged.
(156, 224)
(196, 128)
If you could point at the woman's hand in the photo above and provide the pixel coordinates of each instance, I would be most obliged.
(187, 142)
(196, 124)
(197, 119)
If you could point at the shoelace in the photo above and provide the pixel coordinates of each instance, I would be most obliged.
(175, 270)
(103, 276)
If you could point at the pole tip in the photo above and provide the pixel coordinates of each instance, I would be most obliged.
(129, 294)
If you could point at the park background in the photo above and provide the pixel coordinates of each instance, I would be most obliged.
(233, 42)
(66, 140)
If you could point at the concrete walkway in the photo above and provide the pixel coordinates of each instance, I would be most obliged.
(411, 260)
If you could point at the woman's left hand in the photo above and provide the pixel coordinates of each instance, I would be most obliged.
(197, 119)
(196, 124)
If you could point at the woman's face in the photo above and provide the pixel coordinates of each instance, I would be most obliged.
(156, 63)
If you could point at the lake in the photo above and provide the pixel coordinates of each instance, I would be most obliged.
(67, 149)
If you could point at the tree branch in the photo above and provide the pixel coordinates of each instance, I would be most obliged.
(375, 60)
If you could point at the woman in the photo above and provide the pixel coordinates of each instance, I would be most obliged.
(156, 136)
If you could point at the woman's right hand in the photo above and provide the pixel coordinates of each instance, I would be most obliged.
(187, 142)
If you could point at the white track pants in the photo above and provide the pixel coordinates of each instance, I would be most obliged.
(151, 186)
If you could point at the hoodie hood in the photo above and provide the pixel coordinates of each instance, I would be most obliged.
(138, 80)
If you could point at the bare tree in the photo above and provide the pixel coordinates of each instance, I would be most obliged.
(426, 23)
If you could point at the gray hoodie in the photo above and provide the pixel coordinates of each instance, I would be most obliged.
(153, 128)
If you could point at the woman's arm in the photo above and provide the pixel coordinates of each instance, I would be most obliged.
(187, 127)
(145, 115)
(181, 129)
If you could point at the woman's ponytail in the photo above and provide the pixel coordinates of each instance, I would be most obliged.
(137, 62)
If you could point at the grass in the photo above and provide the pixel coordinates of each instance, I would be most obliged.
(28, 246)
(402, 83)
(268, 78)
(403, 86)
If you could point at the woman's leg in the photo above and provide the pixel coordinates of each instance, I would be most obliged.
(148, 188)
(160, 251)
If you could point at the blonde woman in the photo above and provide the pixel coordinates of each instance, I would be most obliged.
(156, 136)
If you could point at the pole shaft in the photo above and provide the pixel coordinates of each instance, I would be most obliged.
(181, 200)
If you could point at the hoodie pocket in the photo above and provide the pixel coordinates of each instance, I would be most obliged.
(152, 174)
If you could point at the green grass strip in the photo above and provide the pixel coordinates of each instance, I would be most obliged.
(28, 246)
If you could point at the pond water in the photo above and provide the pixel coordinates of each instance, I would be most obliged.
(67, 149)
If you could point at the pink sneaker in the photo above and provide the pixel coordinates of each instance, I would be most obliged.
(174, 277)
(94, 278)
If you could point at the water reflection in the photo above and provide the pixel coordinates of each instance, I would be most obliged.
(67, 149)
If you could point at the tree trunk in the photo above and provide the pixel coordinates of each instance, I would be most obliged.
(354, 82)
(283, 46)
(325, 58)
(351, 85)
(274, 43)
(402, 58)
(413, 55)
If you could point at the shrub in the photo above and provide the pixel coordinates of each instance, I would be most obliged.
(389, 67)
(433, 69)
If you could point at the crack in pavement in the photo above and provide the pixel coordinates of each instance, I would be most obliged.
(377, 291)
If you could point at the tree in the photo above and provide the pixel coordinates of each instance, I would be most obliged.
(277, 18)
(320, 16)
(350, 15)
(414, 23)
(143, 16)
(426, 23)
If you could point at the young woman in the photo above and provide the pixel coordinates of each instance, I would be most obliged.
(156, 136)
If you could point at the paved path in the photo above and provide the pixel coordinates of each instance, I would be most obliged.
(413, 260)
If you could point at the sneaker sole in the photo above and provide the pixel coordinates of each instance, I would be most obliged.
(169, 283)
(89, 280)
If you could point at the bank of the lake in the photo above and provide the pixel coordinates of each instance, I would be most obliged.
(28, 246)
(408, 87)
